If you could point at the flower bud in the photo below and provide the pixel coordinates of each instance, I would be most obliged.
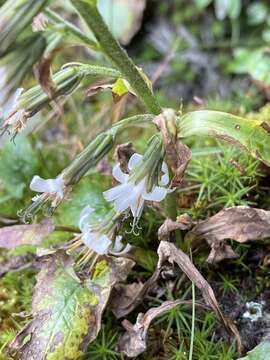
(30, 102)
(88, 158)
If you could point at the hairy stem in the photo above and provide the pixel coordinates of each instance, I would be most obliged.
(118, 56)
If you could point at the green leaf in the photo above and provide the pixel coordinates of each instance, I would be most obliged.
(123, 17)
(252, 135)
(201, 4)
(254, 62)
(67, 311)
(257, 13)
(18, 163)
(230, 8)
(87, 192)
(260, 352)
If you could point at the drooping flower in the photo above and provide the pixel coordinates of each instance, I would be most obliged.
(13, 115)
(55, 187)
(99, 237)
(131, 194)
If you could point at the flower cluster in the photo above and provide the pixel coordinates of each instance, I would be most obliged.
(146, 179)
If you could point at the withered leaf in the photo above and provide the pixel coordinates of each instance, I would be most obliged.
(95, 89)
(17, 263)
(34, 234)
(169, 252)
(240, 223)
(183, 222)
(133, 342)
(123, 153)
(66, 310)
(44, 73)
(125, 298)
(178, 155)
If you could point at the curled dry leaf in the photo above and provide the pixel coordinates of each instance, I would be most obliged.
(122, 155)
(125, 298)
(13, 236)
(95, 89)
(168, 251)
(44, 73)
(17, 263)
(133, 342)
(67, 310)
(178, 155)
(240, 223)
(183, 222)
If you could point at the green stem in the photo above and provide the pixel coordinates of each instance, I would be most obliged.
(118, 56)
(68, 27)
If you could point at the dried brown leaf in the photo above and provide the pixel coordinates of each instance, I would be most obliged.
(133, 342)
(44, 73)
(183, 222)
(17, 263)
(125, 298)
(169, 252)
(178, 155)
(13, 236)
(122, 155)
(239, 223)
(95, 89)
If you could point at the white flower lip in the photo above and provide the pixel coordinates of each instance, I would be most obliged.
(98, 242)
(51, 186)
(12, 114)
(131, 196)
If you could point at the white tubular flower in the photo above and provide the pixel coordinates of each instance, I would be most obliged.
(51, 186)
(13, 115)
(97, 241)
(131, 195)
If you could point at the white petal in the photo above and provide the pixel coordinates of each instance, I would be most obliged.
(126, 249)
(157, 194)
(10, 106)
(118, 245)
(50, 185)
(87, 237)
(101, 245)
(84, 216)
(164, 178)
(124, 202)
(137, 207)
(134, 160)
(116, 192)
(119, 175)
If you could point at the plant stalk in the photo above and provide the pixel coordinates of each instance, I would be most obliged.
(118, 56)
